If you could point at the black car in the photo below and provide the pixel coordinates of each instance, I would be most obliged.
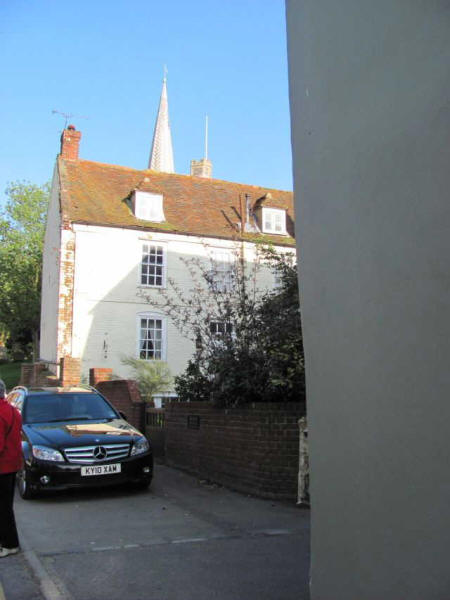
(73, 437)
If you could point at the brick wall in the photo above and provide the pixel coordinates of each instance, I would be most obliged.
(253, 449)
(26, 374)
(70, 371)
(124, 396)
(98, 374)
(38, 375)
(70, 142)
(65, 301)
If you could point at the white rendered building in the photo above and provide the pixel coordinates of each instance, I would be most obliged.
(116, 233)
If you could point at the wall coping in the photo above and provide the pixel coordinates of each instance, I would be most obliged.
(254, 406)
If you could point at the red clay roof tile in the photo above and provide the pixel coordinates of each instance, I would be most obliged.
(97, 193)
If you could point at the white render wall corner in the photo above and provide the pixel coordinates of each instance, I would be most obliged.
(370, 111)
(50, 276)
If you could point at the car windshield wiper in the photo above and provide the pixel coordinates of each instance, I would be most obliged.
(70, 419)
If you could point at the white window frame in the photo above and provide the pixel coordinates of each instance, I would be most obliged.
(163, 265)
(219, 334)
(148, 206)
(274, 221)
(222, 270)
(156, 317)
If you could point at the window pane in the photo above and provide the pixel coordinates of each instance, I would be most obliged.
(152, 265)
(150, 344)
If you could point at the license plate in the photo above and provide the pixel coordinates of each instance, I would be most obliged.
(100, 470)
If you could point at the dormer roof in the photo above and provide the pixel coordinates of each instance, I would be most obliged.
(99, 194)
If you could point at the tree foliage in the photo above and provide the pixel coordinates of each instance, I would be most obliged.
(22, 226)
(248, 342)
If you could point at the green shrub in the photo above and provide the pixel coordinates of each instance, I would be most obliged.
(151, 376)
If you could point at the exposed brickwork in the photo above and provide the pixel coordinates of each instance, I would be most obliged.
(65, 305)
(26, 375)
(51, 381)
(70, 143)
(124, 396)
(98, 374)
(253, 449)
(42, 377)
(38, 375)
(70, 371)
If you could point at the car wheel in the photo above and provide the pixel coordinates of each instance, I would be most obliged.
(26, 490)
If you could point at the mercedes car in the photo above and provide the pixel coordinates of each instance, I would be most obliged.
(73, 437)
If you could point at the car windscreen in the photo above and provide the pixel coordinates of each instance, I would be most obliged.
(70, 406)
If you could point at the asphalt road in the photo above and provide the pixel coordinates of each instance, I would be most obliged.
(183, 539)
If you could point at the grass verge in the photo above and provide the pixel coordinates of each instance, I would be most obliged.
(10, 373)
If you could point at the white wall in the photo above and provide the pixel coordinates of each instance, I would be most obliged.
(50, 276)
(370, 110)
(107, 286)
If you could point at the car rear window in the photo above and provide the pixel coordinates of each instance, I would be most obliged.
(45, 408)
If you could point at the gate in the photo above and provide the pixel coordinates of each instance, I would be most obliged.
(155, 429)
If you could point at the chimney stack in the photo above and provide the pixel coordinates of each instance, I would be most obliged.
(201, 168)
(70, 142)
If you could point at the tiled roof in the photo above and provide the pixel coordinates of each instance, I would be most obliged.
(98, 194)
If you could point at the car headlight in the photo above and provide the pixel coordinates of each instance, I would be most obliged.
(140, 446)
(44, 453)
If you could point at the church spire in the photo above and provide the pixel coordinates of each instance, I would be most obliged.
(161, 155)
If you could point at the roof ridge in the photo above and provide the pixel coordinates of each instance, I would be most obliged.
(201, 180)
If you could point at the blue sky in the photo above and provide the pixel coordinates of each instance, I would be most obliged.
(102, 61)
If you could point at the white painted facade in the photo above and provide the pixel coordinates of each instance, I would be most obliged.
(107, 285)
(50, 277)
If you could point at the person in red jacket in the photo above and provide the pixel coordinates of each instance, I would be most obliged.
(10, 463)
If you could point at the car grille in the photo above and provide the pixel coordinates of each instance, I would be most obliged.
(85, 454)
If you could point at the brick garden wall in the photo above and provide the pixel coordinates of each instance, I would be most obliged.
(99, 374)
(70, 371)
(38, 375)
(124, 395)
(253, 449)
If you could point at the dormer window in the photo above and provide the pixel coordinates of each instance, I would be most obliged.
(274, 220)
(148, 206)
